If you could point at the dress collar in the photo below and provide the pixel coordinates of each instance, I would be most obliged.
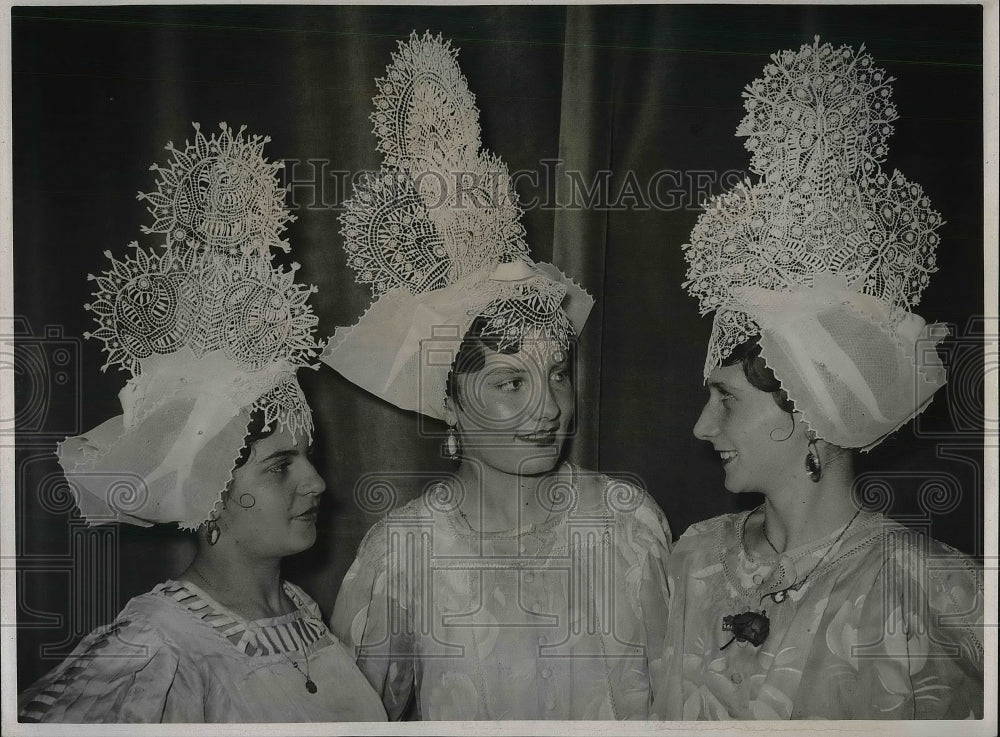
(293, 632)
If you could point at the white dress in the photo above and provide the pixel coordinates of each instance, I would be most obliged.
(890, 626)
(175, 655)
(553, 621)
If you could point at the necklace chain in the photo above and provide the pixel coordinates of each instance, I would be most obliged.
(781, 594)
(763, 528)
(250, 624)
(754, 627)
(310, 684)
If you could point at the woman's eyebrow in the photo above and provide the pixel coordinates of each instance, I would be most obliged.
(718, 386)
(290, 453)
(507, 370)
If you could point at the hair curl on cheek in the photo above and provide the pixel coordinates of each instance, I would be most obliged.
(256, 430)
(759, 374)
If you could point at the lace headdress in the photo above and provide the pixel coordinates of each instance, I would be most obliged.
(209, 329)
(437, 234)
(825, 255)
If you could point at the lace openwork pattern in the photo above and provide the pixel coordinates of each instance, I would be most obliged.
(440, 208)
(212, 286)
(527, 315)
(221, 194)
(817, 126)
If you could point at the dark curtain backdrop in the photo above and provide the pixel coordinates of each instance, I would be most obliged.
(647, 94)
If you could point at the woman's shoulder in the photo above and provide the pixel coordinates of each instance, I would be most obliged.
(373, 546)
(928, 581)
(136, 648)
(704, 536)
(911, 553)
(625, 501)
(910, 549)
(151, 615)
(598, 490)
(712, 527)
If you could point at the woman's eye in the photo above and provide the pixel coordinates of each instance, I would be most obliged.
(560, 377)
(278, 469)
(511, 385)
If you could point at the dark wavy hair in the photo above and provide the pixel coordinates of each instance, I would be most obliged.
(758, 373)
(471, 356)
(256, 430)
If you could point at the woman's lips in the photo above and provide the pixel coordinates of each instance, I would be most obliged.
(727, 456)
(539, 438)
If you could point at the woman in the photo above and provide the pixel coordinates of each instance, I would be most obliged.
(519, 586)
(809, 606)
(214, 436)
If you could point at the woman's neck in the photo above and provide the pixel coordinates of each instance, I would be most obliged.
(805, 511)
(250, 587)
(496, 501)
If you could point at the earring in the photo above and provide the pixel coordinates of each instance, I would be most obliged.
(451, 444)
(212, 528)
(813, 464)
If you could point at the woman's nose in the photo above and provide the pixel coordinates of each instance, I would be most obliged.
(549, 408)
(313, 483)
(706, 427)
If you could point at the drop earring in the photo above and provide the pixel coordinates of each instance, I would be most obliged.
(813, 464)
(213, 531)
(451, 444)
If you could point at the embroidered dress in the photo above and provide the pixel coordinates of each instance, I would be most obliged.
(175, 655)
(552, 621)
(889, 627)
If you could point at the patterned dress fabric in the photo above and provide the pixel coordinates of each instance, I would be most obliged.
(552, 621)
(889, 627)
(175, 655)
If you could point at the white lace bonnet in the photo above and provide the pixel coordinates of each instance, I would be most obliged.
(437, 234)
(825, 255)
(209, 329)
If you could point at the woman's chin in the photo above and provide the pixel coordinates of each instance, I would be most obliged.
(518, 462)
(733, 486)
(302, 542)
(538, 465)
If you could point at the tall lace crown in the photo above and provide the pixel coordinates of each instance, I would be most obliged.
(817, 126)
(440, 208)
(211, 287)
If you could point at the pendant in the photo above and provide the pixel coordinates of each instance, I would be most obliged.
(310, 686)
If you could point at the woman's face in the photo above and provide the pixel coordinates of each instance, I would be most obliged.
(761, 446)
(514, 414)
(272, 502)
